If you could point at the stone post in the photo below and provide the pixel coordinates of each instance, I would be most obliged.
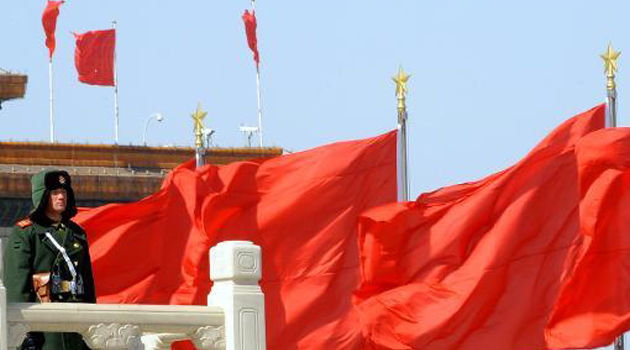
(4, 332)
(235, 268)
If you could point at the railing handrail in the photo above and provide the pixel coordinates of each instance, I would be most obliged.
(151, 316)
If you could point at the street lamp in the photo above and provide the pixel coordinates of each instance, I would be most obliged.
(248, 131)
(207, 133)
(159, 118)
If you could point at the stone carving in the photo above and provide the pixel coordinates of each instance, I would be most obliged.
(17, 332)
(247, 262)
(161, 341)
(249, 330)
(113, 336)
(209, 338)
(238, 261)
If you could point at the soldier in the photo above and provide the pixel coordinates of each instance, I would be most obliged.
(47, 257)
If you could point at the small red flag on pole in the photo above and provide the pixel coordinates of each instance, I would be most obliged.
(94, 57)
(49, 20)
(250, 29)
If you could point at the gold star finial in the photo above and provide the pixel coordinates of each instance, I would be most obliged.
(610, 64)
(610, 59)
(401, 83)
(198, 118)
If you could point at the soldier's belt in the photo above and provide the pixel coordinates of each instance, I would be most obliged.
(64, 286)
(42, 286)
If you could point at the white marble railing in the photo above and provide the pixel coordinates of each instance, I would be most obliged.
(233, 319)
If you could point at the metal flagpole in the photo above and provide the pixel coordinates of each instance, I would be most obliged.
(114, 25)
(402, 160)
(260, 130)
(50, 84)
(610, 64)
(199, 149)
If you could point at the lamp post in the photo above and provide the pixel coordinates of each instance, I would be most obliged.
(207, 133)
(249, 131)
(159, 118)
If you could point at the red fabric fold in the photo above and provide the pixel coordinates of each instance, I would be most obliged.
(49, 21)
(302, 210)
(485, 265)
(593, 308)
(94, 57)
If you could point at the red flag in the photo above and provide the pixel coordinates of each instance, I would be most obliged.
(250, 30)
(301, 209)
(593, 306)
(49, 21)
(94, 57)
(484, 265)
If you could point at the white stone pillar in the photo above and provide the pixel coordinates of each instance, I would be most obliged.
(4, 331)
(235, 268)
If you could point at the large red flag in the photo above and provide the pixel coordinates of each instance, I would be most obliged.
(49, 21)
(250, 29)
(484, 265)
(594, 306)
(300, 208)
(94, 57)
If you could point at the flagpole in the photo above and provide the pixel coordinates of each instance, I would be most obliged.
(402, 160)
(114, 25)
(199, 149)
(260, 130)
(50, 84)
(610, 64)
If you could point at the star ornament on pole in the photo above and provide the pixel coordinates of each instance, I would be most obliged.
(401, 90)
(198, 118)
(401, 83)
(610, 65)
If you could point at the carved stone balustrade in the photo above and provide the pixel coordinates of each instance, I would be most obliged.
(234, 319)
(115, 326)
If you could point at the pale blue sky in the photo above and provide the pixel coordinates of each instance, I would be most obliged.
(489, 78)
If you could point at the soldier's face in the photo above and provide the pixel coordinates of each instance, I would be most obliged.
(58, 200)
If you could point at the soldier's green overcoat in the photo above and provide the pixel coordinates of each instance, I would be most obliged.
(28, 251)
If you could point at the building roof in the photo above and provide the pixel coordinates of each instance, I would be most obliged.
(119, 156)
(101, 174)
(12, 85)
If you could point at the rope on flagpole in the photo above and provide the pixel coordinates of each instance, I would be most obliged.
(260, 130)
(50, 84)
